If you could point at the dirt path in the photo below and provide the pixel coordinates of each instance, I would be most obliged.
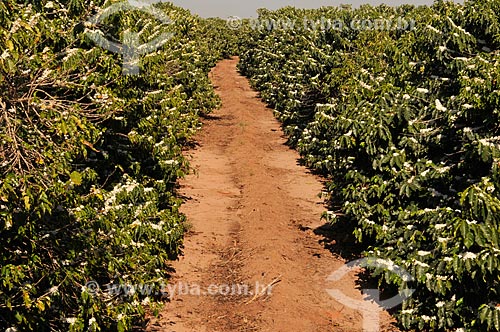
(253, 210)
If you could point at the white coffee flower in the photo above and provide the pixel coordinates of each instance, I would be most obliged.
(440, 106)
(5, 55)
(71, 320)
(422, 264)
(469, 255)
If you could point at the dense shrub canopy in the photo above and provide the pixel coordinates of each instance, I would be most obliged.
(405, 123)
(89, 158)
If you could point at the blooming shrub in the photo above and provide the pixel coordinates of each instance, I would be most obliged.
(89, 161)
(405, 124)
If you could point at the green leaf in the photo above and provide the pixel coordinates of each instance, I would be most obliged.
(469, 239)
(121, 326)
(496, 320)
(464, 229)
(10, 45)
(40, 305)
(27, 203)
(76, 178)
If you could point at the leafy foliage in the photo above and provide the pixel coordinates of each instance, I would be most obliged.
(89, 160)
(405, 123)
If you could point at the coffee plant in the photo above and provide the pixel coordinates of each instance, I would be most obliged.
(404, 121)
(89, 160)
